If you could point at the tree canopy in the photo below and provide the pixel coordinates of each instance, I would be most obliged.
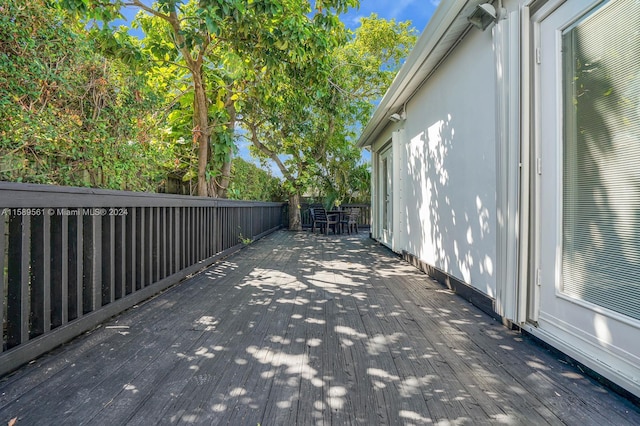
(69, 115)
(308, 126)
(207, 38)
(83, 102)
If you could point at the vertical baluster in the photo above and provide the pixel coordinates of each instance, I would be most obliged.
(59, 268)
(224, 226)
(163, 242)
(196, 235)
(72, 270)
(153, 249)
(233, 227)
(214, 229)
(170, 241)
(87, 263)
(79, 266)
(40, 275)
(120, 256)
(207, 231)
(108, 262)
(131, 230)
(55, 287)
(18, 281)
(176, 239)
(170, 247)
(184, 256)
(221, 237)
(65, 270)
(3, 218)
(142, 255)
(179, 238)
(203, 233)
(185, 236)
(199, 257)
(92, 263)
(189, 235)
(192, 235)
(156, 239)
(256, 226)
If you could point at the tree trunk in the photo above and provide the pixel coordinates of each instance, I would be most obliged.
(225, 172)
(201, 131)
(295, 220)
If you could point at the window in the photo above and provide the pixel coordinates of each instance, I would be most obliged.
(601, 158)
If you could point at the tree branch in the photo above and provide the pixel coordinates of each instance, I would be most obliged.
(140, 5)
(269, 153)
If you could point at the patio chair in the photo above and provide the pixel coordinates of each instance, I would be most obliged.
(322, 220)
(350, 221)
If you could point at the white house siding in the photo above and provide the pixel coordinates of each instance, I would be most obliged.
(447, 180)
(477, 177)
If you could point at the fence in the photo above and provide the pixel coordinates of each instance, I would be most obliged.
(70, 258)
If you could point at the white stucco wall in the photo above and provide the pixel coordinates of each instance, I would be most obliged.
(447, 178)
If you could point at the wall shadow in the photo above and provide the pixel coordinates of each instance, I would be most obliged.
(448, 207)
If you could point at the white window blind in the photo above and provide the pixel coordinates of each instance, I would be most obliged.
(601, 158)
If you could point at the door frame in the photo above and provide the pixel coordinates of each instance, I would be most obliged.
(567, 336)
(385, 194)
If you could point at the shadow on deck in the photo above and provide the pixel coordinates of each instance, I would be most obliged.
(306, 329)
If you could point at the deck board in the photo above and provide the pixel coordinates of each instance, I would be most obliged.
(309, 330)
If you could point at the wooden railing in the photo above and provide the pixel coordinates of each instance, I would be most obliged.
(70, 258)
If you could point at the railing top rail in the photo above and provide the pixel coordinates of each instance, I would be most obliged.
(25, 195)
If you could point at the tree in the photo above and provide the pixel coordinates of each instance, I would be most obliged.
(69, 115)
(305, 122)
(263, 33)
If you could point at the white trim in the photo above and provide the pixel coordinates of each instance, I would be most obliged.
(397, 192)
(569, 343)
(624, 319)
(524, 265)
(375, 197)
(506, 45)
(385, 235)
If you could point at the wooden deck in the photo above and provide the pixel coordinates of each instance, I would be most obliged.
(301, 329)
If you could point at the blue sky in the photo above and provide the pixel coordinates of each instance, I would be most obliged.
(417, 11)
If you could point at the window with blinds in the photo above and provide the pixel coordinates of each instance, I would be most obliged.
(601, 158)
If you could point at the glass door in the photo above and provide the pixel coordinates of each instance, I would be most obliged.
(587, 227)
(386, 198)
